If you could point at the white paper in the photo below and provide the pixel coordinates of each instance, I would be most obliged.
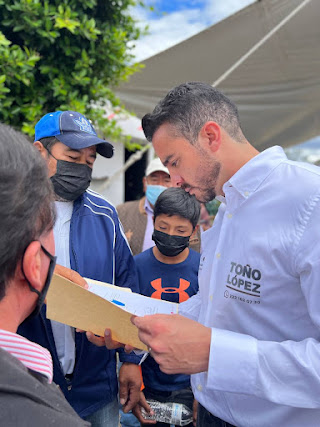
(131, 302)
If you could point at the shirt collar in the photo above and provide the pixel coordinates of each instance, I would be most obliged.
(30, 354)
(248, 178)
(148, 207)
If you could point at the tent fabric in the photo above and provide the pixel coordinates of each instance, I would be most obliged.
(277, 89)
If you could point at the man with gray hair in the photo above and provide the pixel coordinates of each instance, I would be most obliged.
(28, 397)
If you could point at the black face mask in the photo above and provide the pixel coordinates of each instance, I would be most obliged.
(71, 179)
(170, 245)
(43, 293)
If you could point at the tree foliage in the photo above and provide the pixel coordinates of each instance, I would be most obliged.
(63, 54)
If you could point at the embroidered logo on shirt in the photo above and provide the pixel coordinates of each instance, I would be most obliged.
(181, 291)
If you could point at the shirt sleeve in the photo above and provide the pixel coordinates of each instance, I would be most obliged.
(287, 372)
(191, 307)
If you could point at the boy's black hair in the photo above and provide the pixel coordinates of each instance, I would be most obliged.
(176, 201)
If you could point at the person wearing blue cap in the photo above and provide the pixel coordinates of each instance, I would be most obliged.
(90, 240)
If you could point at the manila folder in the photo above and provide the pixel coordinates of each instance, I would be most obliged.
(75, 306)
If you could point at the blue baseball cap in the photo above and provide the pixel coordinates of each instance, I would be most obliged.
(72, 129)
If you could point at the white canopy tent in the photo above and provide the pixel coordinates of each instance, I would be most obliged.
(271, 49)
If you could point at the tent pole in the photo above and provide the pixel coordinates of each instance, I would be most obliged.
(260, 43)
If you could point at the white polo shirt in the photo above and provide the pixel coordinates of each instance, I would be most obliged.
(259, 280)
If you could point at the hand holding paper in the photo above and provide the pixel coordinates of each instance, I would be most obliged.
(178, 344)
(71, 275)
(107, 341)
(75, 306)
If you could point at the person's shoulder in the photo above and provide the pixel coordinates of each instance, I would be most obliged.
(8, 363)
(305, 171)
(25, 393)
(300, 182)
(194, 257)
(12, 373)
(143, 256)
(194, 254)
(132, 204)
(96, 201)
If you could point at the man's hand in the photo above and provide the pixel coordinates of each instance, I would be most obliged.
(71, 275)
(179, 345)
(129, 385)
(137, 410)
(107, 341)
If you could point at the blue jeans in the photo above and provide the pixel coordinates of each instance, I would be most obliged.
(107, 416)
(205, 419)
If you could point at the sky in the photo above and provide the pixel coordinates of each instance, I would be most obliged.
(175, 20)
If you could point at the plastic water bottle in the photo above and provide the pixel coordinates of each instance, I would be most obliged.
(169, 412)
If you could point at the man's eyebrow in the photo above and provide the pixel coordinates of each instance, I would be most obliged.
(163, 222)
(168, 158)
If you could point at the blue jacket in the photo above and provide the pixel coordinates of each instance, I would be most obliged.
(98, 250)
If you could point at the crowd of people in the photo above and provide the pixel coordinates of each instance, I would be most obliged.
(243, 350)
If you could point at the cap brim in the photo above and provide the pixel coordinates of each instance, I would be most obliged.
(77, 141)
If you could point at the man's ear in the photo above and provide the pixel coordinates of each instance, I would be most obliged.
(210, 134)
(31, 264)
(39, 146)
(144, 183)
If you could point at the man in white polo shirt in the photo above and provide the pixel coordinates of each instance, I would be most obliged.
(252, 337)
(28, 397)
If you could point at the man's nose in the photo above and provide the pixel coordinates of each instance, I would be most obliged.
(176, 180)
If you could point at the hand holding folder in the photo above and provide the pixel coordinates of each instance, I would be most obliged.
(78, 307)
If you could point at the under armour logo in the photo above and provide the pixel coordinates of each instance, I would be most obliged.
(84, 125)
(157, 285)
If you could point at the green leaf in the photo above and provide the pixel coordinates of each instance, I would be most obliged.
(65, 54)
(3, 40)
